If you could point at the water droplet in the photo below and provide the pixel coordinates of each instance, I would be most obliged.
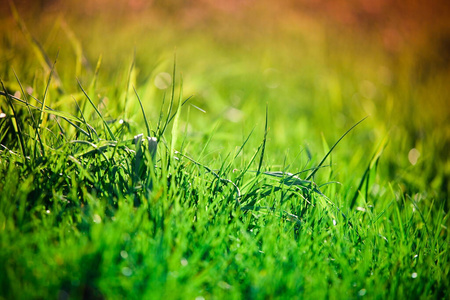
(362, 292)
(414, 275)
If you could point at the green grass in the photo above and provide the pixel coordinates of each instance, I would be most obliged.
(252, 199)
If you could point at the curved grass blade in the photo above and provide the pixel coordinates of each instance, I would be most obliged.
(143, 113)
(331, 149)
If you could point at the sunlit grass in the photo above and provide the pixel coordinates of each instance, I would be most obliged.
(115, 183)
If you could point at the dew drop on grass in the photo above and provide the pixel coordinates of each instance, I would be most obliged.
(127, 271)
(414, 275)
(163, 80)
(2, 115)
(413, 156)
(199, 298)
(362, 292)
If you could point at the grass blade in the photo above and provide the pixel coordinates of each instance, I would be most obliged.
(264, 142)
(16, 125)
(331, 149)
(97, 111)
(143, 113)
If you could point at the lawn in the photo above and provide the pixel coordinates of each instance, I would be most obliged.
(156, 151)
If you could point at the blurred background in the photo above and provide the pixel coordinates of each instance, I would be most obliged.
(320, 66)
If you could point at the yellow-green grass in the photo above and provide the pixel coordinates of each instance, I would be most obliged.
(226, 207)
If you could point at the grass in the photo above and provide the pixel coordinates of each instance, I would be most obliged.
(111, 188)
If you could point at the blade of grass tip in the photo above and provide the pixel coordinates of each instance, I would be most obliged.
(182, 104)
(245, 142)
(264, 141)
(16, 125)
(143, 112)
(93, 83)
(97, 111)
(332, 148)
(172, 97)
(31, 114)
(77, 48)
(195, 106)
(44, 98)
(158, 126)
(42, 56)
(130, 73)
(66, 117)
(210, 137)
(176, 120)
(373, 161)
(83, 119)
(97, 69)
(223, 180)
(326, 148)
(245, 170)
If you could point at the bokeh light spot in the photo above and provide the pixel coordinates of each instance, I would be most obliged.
(413, 156)
(163, 80)
(127, 271)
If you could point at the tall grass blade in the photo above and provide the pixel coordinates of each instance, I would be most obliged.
(331, 149)
(172, 98)
(81, 60)
(31, 115)
(176, 120)
(130, 74)
(366, 176)
(143, 113)
(263, 148)
(41, 55)
(44, 98)
(97, 111)
(16, 125)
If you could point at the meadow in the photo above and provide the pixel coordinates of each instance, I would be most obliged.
(148, 155)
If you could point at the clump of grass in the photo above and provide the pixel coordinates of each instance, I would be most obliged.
(90, 209)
